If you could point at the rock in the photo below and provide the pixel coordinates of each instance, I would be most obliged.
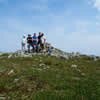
(29, 89)
(76, 78)
(2, 98)
(41, 65)
(54, 52)
(11, 72)
(62, 57)
(77, 54)
(16, 80)
(47, 67)
(26, 55)
(83, 74)
(10, 56)
(78, 70)
(40, 60)
(95, 58)
(74, 66)
(39, 69)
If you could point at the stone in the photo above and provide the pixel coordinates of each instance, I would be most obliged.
(16, 80)
(10, 56)
(11, 72)
(2, 98)
(74, 66)
(83, 74)
(76, 78)
(41, 65)
(78, 70)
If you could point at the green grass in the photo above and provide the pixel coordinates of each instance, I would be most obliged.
(49, 78)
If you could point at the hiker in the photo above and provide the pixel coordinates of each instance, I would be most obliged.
(43, 41)
(29, 42)
(39, 38)
(23, 43)
(35, 40)
(39, 41)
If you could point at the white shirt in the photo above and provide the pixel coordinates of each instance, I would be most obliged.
(24, 40)
(43, 39)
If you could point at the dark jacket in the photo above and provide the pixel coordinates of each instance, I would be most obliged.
(29, 39)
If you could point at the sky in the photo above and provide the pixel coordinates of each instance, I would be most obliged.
(70, 25)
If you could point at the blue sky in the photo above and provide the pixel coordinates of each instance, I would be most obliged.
(70, 25)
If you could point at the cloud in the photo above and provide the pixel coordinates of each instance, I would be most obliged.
(95, 3)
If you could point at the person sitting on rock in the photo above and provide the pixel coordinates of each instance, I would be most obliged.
(35, 40)
(23, 43)
(49, 48)
(29, 42)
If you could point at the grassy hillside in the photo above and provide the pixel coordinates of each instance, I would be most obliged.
(49, 78)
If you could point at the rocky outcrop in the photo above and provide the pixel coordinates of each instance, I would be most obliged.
(54, 52)
(59, 53)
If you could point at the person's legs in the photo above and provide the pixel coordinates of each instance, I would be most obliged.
(38, 42)
(34, 46)
(28, 48)
(37, 50)
(42, 46)
(33, 49)
(23, 47)
(31, 45)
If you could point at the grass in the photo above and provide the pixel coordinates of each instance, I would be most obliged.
(49, 78)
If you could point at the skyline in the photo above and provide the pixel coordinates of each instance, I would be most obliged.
(72, 26)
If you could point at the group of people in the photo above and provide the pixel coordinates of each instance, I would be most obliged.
(37, 43)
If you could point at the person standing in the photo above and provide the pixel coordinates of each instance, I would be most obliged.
(39, 38)
(43, 41)
(39, 41)
(29, 42)
(35, 40)
(23, 43)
